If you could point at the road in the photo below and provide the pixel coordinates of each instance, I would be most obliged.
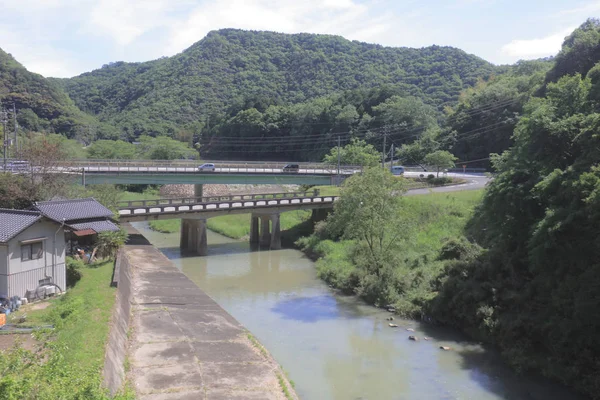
(226, 170)
(474, 182)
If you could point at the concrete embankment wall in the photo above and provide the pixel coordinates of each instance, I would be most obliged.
(116, 349)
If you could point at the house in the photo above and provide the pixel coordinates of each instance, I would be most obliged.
(34, 243)
(32, 252)
(84, 219)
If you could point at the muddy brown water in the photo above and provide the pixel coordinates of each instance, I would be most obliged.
(336, 347)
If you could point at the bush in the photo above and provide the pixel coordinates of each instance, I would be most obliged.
(430, 177)
(73, 271)
(458, 249)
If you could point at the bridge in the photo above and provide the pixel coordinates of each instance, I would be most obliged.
(265, 229)
(186, 172)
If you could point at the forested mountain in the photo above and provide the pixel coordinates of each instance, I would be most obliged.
(42, 105)
(233, 70)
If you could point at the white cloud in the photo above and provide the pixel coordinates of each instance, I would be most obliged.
(587, 9)
(288, 16)
(540, 47)
(125, 21)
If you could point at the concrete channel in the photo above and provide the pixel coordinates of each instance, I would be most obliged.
(170, 340)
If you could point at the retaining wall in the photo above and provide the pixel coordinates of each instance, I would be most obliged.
(116, 349)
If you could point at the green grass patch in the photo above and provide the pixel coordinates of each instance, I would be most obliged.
(436, 218)
(69, 365)
(236, 226)
(166, 225)
(133, 196)
(284, 386)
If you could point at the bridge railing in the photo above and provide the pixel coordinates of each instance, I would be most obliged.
(215, 199)
(193, 165)
(214, 206)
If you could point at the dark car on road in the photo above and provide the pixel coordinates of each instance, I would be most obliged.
(291, 168)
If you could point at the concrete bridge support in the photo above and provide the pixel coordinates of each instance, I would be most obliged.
(275, 232)
(193, 236)
(198, 191)
(254, 230)
(265, 230)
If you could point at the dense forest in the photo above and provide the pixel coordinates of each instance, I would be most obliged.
(263, 95)
(532, 286)
(521, 271)
(42, 105)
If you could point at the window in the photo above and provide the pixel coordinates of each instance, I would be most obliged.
(32, 251)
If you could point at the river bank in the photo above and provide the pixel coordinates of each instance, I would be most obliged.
(336, 346)
(182, 344)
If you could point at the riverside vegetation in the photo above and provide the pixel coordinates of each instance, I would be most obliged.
(67, 361)
(524, 272)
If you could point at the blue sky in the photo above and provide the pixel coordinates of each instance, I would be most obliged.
(64, 38)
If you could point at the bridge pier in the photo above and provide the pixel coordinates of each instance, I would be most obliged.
(193, 236)
(198, 191)
(265, 234)
(275, 232)
(254, 229)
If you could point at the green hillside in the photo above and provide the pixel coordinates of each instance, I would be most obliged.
(231, 70)
(42, 104)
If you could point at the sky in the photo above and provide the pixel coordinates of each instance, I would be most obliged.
(64, 38)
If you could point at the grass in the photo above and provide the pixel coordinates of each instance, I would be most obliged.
(257, 344)
(70, 364)
(284, 387)
(131, 196)
(436, 218)
(236, 226)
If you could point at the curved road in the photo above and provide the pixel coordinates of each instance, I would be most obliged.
(474, 182)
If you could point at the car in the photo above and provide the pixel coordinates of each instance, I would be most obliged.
(397, 170)
(208, 167)
(291, 168)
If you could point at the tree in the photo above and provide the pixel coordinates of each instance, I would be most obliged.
(357, 152)
(369, 211)
(165, 148)
(112, 150)
(109, 242)
(440, 159)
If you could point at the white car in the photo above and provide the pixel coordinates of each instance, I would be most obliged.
(208, 167)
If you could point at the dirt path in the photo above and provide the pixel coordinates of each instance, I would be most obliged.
(185, 346)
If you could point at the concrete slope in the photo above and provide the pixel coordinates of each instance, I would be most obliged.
(184, 345)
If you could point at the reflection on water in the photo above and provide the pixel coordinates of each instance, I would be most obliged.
(335, 347)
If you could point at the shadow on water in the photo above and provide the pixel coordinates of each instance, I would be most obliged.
(490, 372)
(175, 253)
(486, 367)
(137, 239)
(316, 308)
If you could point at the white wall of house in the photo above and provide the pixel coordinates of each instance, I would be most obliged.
(3, 268)
(25, 274)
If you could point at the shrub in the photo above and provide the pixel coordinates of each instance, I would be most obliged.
(458, 249)
(444, 180)
(73, 271)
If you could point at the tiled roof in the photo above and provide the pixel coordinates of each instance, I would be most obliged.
(98, 226)
(13, 222)
(68, 210)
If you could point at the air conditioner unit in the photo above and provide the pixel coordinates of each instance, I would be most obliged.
(50, 290)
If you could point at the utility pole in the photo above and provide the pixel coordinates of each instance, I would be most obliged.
(15, 121)
(338, 151)
(383, 151)
(4, 120)
(392, 157)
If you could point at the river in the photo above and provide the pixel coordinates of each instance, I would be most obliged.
(335, 347)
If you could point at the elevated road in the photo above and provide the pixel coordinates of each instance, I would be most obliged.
(187, 172)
